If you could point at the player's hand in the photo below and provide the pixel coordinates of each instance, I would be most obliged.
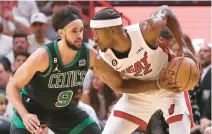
(42, 130)
(167, 82)
(31, 122)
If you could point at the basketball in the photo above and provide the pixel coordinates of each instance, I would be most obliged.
(186, 72)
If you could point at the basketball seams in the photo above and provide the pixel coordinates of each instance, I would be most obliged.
(178, 70)
(189, 75)
(184, 71)
(167, 67)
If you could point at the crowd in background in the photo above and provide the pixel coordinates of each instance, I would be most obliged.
(26, 25)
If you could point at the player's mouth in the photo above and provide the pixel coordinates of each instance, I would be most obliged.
(78, 41)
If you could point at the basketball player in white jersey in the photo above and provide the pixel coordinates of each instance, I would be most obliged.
(137, 52)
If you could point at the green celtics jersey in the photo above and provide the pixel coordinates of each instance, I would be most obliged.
(55, 88)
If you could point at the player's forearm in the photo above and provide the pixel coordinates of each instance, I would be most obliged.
(134, 86)
(173, 24)
(15, 98)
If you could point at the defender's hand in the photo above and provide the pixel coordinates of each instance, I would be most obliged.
(31, 122)
(167, 82)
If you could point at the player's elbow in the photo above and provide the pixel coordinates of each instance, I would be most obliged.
(122, 88)
(119, 87)
(9, 88)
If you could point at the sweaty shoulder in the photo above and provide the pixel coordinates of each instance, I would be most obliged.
(40, 59)
(150, 29)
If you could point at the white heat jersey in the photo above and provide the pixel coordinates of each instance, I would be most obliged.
(142, 62)
(145, 63)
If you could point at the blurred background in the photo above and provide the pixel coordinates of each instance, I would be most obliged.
(26, 25)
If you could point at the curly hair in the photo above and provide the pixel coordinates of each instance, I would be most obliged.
(63, 13)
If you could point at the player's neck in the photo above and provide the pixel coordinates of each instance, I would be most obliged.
(122, 42)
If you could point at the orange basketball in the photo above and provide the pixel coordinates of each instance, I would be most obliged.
(185, 70)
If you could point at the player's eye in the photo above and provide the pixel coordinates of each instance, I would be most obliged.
(74, 31)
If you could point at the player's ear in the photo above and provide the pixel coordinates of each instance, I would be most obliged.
(61, 32)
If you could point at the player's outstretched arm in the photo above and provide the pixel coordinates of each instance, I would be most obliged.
(171, 21)
(38, 61)
(114, 80)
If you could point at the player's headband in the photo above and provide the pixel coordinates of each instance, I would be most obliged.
(105, 23)
(67, 20)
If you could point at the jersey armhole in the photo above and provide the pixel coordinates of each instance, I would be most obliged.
(146, 44)
(88, 55)
(49, 69)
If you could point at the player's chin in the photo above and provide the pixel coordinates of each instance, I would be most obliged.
(78, 45)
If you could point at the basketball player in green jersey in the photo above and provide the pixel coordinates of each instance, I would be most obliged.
(49, 80)
(51, 77)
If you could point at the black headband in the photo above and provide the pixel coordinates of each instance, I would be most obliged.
(67, 20)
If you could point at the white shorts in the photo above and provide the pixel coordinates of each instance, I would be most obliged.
(138, 108)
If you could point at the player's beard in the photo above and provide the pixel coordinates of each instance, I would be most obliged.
(71, 45)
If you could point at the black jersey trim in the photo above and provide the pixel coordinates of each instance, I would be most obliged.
(60, 59)
(46, 73)
(88, 55)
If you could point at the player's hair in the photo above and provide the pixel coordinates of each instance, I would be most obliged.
(19, 34)
(106, 14)
(63, 13)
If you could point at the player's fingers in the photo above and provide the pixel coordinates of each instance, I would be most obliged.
(42, 128)
(170, 78)
(174, 85)
(162, 73)
(34, 124)
(35, 119)
(176, 90)
(30, 128)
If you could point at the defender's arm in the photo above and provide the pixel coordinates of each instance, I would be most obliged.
(38, 61)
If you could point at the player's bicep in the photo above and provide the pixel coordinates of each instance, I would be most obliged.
(151, 28)
(107, 74)
(38, 61)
